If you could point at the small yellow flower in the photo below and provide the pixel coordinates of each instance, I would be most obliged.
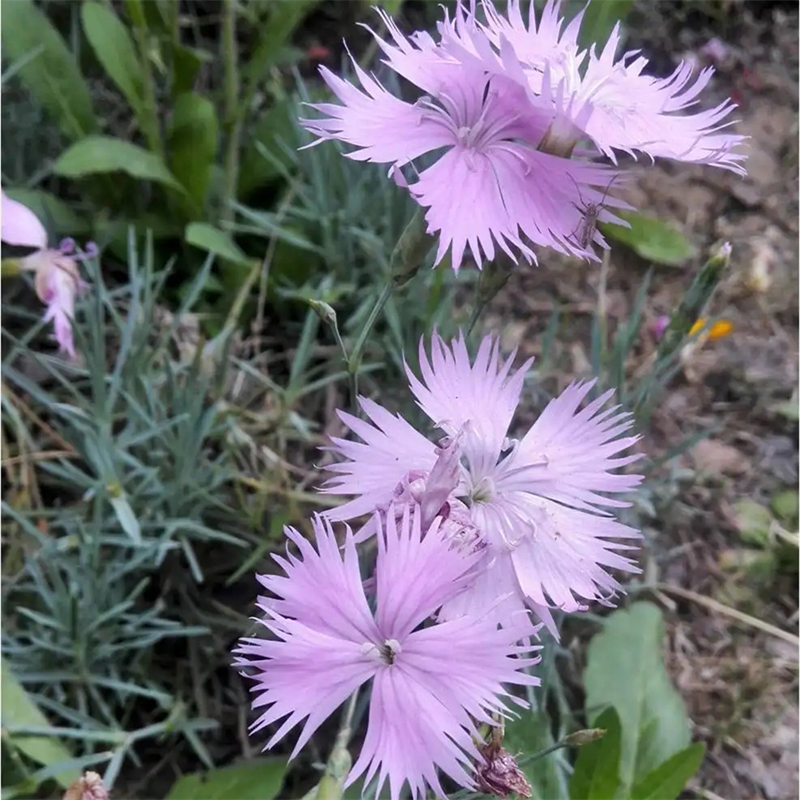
(719, 330)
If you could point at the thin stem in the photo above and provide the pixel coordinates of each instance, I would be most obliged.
(233, 119)
(602, 300)
(475, 316)
(354, 362)
(346, 726)
(339, 761)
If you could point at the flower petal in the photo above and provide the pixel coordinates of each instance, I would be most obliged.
(20, 226)
(375, 467)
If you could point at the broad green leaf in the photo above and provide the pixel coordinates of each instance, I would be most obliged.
(283, 19)
(526, 735)
(651, 238)
(207, 237)
(753, 521)
(276, 125)
(99, 154)
(53, 76)
(114, 48)
(599, 20)
(56, 215)
(17, 710)
(192, 143)
(258, 779)
(785, 506)
(669, 779)
(596, 775)
(186, 62)
(625, 670)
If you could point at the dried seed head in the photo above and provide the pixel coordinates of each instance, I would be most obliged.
(498, 773)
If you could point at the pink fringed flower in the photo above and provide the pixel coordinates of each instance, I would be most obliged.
(504, 104)
(491, 186)
(535, 504)
(430, 684)
(57, 279)
(610, 100)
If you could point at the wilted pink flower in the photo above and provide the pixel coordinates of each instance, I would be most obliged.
(491, 186)
(89, 787)
(609, 98)
(57, 279)
(430, 684)
(535, 502)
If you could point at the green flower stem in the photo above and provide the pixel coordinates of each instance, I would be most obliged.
(494, 276)
(233, 118)
(354, 362)
(408, 254)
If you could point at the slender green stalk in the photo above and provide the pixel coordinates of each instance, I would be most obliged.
(354, 362)
(233, 118)
(339, 762)
(577, 739)
(148, 118)
(494, 276)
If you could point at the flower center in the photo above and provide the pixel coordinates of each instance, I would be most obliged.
(483, 491)
(385, 652)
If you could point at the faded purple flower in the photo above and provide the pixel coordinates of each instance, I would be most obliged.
(430, 684)
(57, 279)
(535, 503)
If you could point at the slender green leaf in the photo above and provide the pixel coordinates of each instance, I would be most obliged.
(283, 19)
(651, 238)
(53, 77)
(259, 779)
(625, 670)
(207, 237)
(192, 143)
(19, 710)
(127, 518)
(596, 775)
(114, 48)
(276, 125)
(669, 779)
(100, 154)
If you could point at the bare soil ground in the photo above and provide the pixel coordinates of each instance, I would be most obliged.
(738, 681)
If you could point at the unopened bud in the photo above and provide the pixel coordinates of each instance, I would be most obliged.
(409, 251)
(580, 738)
(325, 311)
